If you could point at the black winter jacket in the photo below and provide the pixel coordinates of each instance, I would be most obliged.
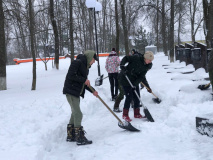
(76, 77)
(135, 70)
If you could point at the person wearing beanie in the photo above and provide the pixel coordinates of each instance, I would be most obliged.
(136, 53)
(76, 82)
(112, 64)
(135, 68)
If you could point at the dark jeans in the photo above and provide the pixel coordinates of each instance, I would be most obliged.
(130, 95)
(113, 80)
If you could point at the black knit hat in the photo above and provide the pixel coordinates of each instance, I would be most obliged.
(113, 49)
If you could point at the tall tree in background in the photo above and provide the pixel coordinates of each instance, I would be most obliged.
(141, 40)
(3, 85)
(125, 31)
(195, 20)
(163, 32)
(157, 27)
(32, 42)
(117, 27)
(171, 50)
(71, 29)
(208, 21)
(55, 29)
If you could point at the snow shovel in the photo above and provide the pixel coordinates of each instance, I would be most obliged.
(145, 110)
(99, 81)
(156, 100)
(124, 125)
(204, 87)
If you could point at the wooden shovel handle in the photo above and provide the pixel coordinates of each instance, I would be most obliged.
(148, 89)
(106, 106)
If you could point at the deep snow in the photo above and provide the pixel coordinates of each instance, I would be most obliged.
(33, 123)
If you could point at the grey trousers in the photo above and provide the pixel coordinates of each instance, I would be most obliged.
(76, 115)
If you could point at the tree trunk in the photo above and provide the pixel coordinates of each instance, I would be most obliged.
(104, 27)
(171, 52)
(208, 21)
(3, 85)
(117, 27)
(164, 29)
(71, 30)
(32, 43)
(55, 29)
(126, 40)
(157, 28)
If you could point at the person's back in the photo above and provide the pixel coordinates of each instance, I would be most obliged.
(112, 64)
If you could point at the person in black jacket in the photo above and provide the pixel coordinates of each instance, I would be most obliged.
(135, 70)
(74, 86)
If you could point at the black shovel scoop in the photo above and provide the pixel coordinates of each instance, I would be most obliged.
(204, 86)
(156, 99)
(124, 125)
(99, 81)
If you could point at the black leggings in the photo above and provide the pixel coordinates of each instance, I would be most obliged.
(113, 80)
(130, 95)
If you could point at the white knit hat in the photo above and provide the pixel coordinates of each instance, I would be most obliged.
(149, 55)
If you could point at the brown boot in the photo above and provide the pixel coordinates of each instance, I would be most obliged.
(116, 105)
(70, 133)
(80, 138)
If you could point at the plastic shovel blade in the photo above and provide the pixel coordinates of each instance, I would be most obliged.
(156, 100)
(127, 125)
(148, 115)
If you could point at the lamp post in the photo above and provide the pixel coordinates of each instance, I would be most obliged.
(96, 7)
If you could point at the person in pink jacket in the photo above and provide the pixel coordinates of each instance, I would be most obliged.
(112, 64)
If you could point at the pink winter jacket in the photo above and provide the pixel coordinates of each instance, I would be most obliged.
(112, 64)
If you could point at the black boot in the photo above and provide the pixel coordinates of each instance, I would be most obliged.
(70, 133)
(80, 138)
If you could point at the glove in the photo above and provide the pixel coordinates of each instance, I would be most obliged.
(123, 70)
(141, 86)
(133, 88)
(149, 90)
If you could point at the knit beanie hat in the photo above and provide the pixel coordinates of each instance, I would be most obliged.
(113, 49)
(90, 55)
(149, 55)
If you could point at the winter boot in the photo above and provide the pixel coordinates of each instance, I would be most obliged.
(116, 105)
(126, 115)
(80, 138)
(137, 113)
(70, 133)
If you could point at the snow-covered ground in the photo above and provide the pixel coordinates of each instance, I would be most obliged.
(33, 123)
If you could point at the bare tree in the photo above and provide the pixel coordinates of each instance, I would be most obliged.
(208, 21)
(171, 52)
(126, 39)
(195, 17)
(55, 29)
(117, 26)
(71, 29)
(3, 85)
(32, 42)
